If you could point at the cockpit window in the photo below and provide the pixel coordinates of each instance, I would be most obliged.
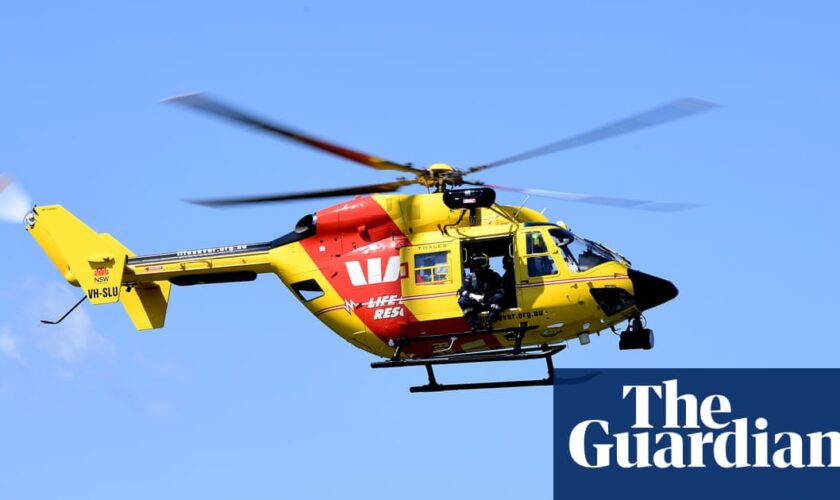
(580, 253)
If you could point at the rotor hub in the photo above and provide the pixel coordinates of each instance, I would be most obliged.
(440, 175)
(439, 168)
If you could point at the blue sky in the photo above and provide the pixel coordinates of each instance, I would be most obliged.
(244, 393)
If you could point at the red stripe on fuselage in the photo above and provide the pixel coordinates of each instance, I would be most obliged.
(360, 232)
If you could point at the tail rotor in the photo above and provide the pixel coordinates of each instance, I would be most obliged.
(14, 202)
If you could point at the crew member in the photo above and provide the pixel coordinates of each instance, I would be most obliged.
(482, 291)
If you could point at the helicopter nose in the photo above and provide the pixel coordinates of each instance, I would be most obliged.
(649, 290)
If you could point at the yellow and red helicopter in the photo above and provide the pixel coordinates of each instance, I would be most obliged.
(383, 270)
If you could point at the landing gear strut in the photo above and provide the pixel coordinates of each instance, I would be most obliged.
(636, 336)
(517, 353)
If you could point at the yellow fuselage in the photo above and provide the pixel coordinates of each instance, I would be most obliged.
(375, 269)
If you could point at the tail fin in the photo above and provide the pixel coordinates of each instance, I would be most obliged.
(96, 262)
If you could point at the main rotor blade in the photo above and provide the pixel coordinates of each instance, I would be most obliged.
(654, 206)
(386, 187)
(668, 112)
(204, 103)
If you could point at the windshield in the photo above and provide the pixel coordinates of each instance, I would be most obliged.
(581, 254)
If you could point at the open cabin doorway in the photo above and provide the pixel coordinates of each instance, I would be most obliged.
(500, 250)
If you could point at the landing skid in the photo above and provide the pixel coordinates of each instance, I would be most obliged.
(520, 354)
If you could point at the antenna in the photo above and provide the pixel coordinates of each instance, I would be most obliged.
(48, 322)
(521, 206)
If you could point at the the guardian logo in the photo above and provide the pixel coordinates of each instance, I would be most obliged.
(682, 430)
(696, 433)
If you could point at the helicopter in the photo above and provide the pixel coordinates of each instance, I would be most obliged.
(383, 270)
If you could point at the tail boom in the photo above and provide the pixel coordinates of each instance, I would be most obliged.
(109, 272)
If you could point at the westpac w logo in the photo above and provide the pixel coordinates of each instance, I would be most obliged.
(375, 273)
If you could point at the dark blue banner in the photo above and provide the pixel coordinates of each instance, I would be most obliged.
(696, 433)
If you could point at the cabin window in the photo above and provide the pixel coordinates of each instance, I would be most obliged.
(431, 268)
(539, 262)
(307, 290)
(535, 243)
